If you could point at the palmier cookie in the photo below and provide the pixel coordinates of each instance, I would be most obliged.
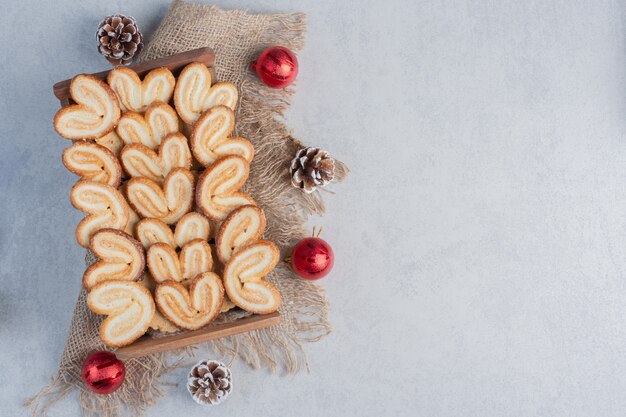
(210, 139)
(227, 305)
(111, 141)
(133, 219)
(150, 128)
(194, 94)
(243, 226)
(106, 207)
(120, 257)
(95, 113)
(93, 162)
(129, 307)
(140, 161)
(151, 231)
(161, 324)
(165, 264)
(158, 322)
(191, 308)
(217, 192)
(168, 202)
(136, 95)
(243, 275)
(191, 226)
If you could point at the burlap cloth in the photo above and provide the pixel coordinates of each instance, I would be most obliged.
(237, 37)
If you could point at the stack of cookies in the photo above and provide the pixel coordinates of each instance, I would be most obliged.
(177, 241)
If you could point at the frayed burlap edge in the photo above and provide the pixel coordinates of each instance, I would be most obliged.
(237, 37)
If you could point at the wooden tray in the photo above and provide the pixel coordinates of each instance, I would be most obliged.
(175, 63)
(147, 345)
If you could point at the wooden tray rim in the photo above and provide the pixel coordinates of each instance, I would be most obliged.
(174, 62)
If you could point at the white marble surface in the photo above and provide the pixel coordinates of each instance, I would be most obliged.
(480, 241)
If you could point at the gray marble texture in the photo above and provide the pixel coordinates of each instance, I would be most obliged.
(480, 241)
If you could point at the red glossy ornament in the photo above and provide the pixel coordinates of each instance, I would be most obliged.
(102, 372)
(312, 258)
(277, 67)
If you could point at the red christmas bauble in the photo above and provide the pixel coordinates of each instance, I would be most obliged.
(102, 372)
(277, 67)
(312, 258)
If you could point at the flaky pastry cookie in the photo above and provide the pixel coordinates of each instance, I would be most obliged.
(191, 226)
(133, 219)
(151, 231)
(129, 307)
(165, 264)
(243, 278)
(120, 257)
(95, 113)
(242, 227)
(106, 207)
(111, 141)
(93, 162)
(162, 324)
(158, 322)
(194, 93)
(139, 160)
(227, 304)
(217, 192)
(148, 129)
(191, 308)
(136, 95)
(209, 139)
(168, 202)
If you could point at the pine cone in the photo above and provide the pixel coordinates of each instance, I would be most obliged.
(209, 382)
(311, 168)
(119, 39)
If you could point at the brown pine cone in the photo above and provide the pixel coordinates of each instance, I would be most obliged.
(119, 39)
(311, 168)
(209, 382)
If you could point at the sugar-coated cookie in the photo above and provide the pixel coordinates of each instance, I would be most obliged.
(168, 202)
(190, 227)
(194, 307)
(227, 304)
(129, 307)
(243, 226)
(148, 129)
(151, 231)
(139, 160)
(111, 141)
(120, 257)
(158, 322)
(194, 94)
(95, 114)
(165, 264)
(210, 137)
(243, 278)
(106, 207)
(136, 95)
(217, 190)
(93, 162)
